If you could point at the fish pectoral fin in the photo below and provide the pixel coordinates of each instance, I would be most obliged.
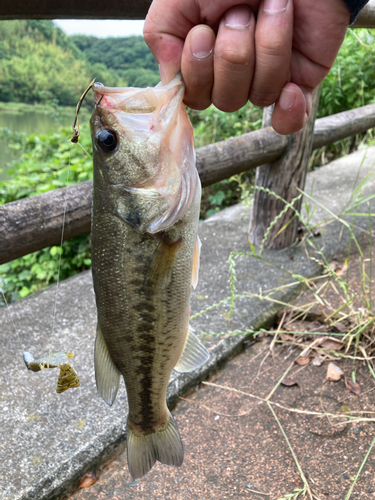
(162, 264)
(163, 444)
(107, 375)
(67, 378)
(196, 259)
(194, 354)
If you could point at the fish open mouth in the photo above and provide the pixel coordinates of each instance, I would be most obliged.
(134, 99)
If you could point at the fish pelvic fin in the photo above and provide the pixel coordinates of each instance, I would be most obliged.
(196, 259)
(194, 354)
(164, 445)
(107, 375)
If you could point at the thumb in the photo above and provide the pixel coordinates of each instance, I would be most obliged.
(165, 47)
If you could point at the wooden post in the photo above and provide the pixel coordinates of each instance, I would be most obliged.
(283, 177)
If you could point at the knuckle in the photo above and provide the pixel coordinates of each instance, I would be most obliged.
(276, 52)
(238, 57)
(149, 37)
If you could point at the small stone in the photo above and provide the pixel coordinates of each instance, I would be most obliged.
(249, 485)
(334, 373)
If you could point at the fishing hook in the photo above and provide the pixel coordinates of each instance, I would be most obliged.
(75, 126)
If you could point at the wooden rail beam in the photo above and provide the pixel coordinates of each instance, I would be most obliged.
(116, 9)
(336, 127)
(34, 223)
(366, 18)
(73, 9)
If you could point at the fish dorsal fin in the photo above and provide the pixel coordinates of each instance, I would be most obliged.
(196, 259)
(107, 375)
(194, 354)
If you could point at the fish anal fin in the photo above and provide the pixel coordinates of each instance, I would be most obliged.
(194, 354)
(144, 449)
(196, 259)
(107, 375)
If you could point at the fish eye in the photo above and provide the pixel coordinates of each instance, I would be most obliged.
(107, 140)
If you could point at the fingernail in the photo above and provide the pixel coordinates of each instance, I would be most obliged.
(238, 17)
(202, 43)
(274, 6)
(287, 98)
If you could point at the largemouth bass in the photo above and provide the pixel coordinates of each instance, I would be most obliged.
(145, 258)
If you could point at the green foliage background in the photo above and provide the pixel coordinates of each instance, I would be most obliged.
(37, 59)
(129, 57)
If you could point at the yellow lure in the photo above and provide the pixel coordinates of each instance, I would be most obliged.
(67, 378)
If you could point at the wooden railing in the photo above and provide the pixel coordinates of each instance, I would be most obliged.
(33, 223)
(115, 9)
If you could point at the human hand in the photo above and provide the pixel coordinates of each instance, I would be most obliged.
(268, 51)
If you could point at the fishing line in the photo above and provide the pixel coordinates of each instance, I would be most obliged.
(11, 317)
(61, 240)
(88, 154)
(67, 378)
(73, 140)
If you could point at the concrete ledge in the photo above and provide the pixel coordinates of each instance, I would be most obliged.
(50, 440)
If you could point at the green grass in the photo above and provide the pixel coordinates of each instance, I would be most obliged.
(21, 107)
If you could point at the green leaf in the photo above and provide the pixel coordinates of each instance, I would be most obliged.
(24, 292)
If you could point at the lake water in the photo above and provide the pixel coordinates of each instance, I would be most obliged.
(28, 122)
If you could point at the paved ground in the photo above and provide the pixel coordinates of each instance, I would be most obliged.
(51, 440)
(234, 447)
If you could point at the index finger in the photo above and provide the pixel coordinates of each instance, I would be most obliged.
(169, 21)
(165, 40)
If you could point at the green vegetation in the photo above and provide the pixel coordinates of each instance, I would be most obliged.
(351, 81)
(21, 107)
(29, 51)
(43, 166)
(129, 57)
(38, 62)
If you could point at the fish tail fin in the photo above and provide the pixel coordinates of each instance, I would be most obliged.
(164, 445)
